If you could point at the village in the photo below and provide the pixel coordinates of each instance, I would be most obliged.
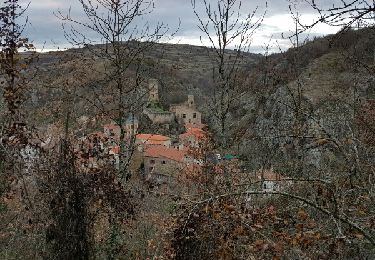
(161, 158)
(187, 130)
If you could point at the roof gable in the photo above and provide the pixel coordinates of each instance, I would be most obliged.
(158, 151)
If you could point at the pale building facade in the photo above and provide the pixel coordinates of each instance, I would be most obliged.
(131, 126)
(187, 113)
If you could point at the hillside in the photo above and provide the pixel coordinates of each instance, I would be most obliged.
(180, 69)
(290, 177)
(312, 93)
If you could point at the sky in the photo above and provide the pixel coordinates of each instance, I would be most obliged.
(45, 29)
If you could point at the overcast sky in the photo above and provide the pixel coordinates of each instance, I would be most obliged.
(45, 28)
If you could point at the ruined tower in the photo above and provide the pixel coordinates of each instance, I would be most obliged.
(153, 87)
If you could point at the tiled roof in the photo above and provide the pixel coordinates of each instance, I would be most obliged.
(193, 132)
(162, 151)
(155, 142)
(152, 137)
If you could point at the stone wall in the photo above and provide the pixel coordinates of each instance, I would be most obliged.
(159, 117)
(155, 168)
(187, 114)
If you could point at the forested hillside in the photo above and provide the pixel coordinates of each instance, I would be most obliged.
(140, 149)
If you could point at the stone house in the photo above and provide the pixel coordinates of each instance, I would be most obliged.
(143, 140)
(186, 113)
(193, 137)
(162, 163)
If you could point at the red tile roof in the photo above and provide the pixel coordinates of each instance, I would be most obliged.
(165, 152)
(152, 139)
(193, 132)
(154, 142)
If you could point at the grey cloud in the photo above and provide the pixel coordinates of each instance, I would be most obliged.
(45, 27)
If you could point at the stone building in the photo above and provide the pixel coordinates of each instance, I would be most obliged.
(153, 87)
(131, 126)
(162, 163)
(153, 110)
(186, 112)
(159, 117)
(193, 137)
(143, 140)
(113, 131)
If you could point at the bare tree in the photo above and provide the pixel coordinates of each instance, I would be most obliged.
(117, 24)
(345, 13)
(224, 27)
(12, 62)
(330, 194)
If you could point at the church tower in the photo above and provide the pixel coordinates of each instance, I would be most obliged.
(131, 125)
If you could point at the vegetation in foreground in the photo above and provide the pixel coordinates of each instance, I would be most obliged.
(283, 167)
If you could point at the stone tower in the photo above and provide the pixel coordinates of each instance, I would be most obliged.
(190, 101)
(153, 87)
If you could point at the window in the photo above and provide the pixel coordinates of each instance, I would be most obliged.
(195, 115)
(183, 115)
(152, 161)
(164, 162)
